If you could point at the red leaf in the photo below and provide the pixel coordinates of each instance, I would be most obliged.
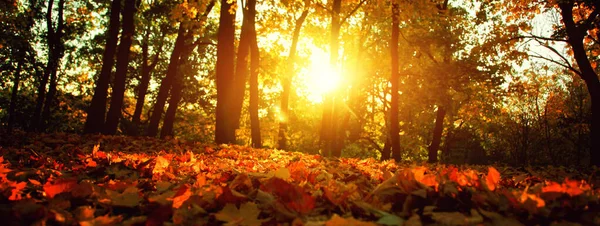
(293, 196)
(59, 186)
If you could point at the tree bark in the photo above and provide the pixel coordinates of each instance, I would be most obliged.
(176, 94)
(224, 132)
(394, 124)
(96, 112)
(287, 83)
(178, 86)
(576, 34)
(42, 112)
(166, 83)
(14, 96)
(437, 135)
(254, 66)
(241, 70)
(327, 123)
(118, 94)
(147, 68)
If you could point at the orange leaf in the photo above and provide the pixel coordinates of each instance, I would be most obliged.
(492, 178)
(181, 196)
(17, 190)
(59, 186)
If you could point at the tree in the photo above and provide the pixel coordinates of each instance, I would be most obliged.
(148, 66)
(171, 83)
(287, 80)
(254, 69)
(576, 33)
(56, 48)
(330, 139)
(225, 122)
(579, 32)
(118, 91)
(394, 129)
(94, 122)
(166, 83)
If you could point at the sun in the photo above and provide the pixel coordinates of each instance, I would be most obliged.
(320, 78)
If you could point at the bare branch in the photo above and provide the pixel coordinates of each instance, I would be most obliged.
(555, 52)
(536, 37)
(320, 5)
(353, 11)
(556, 62)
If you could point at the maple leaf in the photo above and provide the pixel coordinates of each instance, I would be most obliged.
(59, 186)
(292, 196)
(337, 220)
(181, 196)
(492, 179)
(102, 221)
(247, 214)
(17, 190)
(129, 198)
(161, 165)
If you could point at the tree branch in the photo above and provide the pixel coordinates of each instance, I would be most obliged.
(353, 11)
(531, 36)
(556, 62)
(320, 5)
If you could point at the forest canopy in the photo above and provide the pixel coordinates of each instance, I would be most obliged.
(479, 82)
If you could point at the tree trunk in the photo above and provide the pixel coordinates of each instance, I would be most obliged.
(327, 123)
(142, 89)
(254, 66)
(576, 35)
(224, 132)
(437, 135)
(49, 102)
(287, 83)
(167, 129)
(176, 94)
(241, 70)
(96, 112)
(118, 92)
(55, 52)
(166, 83)
(14, 96)
(387, 150)
(394, 124)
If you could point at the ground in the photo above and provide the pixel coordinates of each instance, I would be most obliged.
(68, 179)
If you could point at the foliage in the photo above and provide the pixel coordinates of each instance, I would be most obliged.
(66, 179)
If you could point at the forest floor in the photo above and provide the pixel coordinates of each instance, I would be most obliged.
(68, 179)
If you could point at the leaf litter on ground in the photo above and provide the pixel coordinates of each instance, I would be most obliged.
(68, 179)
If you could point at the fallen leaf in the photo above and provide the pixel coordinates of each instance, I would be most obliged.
(247, 214)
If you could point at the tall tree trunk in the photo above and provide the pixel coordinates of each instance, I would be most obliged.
(118, 93)
(254, 66)
(55, 52)
(166, 83)
(394, 124)
(287, 83)
(437, 134)
(241, 70)
(327, 122)
(142, 89)
(179, 80)
(50, 101)
(178, 86)
(176, 93)
(224, 132)
(14, 96)
(96, 112)
(576, 35)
